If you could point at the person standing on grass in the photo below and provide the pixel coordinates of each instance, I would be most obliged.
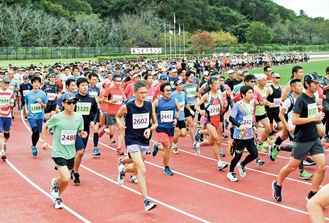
(242, 117)
(308, 128)
(67, 125)
(35, 103)
(6, 102)
(140, 122)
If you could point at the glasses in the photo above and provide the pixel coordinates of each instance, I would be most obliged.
(71, 102)
(252, 81)
(168, 90)
(277, 77)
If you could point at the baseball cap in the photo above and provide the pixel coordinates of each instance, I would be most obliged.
(106, 81)
(312, 77)
(174, 70)
(25, 77)
(163, 76)
(136, 75)
(178, 82)
(69, 96)
(206, 73)
(230, 71)
(5, 80)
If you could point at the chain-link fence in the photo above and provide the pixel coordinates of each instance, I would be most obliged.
(29, 53)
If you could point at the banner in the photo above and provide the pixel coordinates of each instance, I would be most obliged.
(146, 50)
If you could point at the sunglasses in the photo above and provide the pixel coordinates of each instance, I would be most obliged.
(71, 102)
(252, 81)
(277, 77)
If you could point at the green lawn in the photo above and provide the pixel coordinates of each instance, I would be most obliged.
(285, 71)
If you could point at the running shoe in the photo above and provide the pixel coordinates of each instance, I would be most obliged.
(155, 149)
(168, 171)
(34, 151)
(54, 190)
(242, 170)
(261, 148)
(221, 153)
(197, 135)
(112, 141)
(133, 179)
(197, 148)
(58, 203)
(175, 150)
(96, 152)
(221, 166)
(276, 192)
(120, 161)
(310, 195)
(121, 175)
(270, 139)
(273, 152)
(308, 162)
(305, 175)
(3, 155)
(224, 136)
(148, 205)
(198, 124)
(76, 178)
(232, 176)
(259, 162)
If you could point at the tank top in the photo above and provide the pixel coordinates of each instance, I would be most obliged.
(275, 98)
(137, 120)
(212, 109)
(166, 113)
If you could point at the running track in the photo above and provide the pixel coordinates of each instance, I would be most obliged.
(198, 192)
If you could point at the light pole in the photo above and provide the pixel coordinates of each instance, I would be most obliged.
(170, 34)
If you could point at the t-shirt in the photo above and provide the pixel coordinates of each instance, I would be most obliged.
(6, 97)
(33, 106)
(114, 93)
(65, 131)
(191, 90)
(243, 113)
(182, 101)
(306, 107)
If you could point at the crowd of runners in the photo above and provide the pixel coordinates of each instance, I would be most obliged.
(128, 101)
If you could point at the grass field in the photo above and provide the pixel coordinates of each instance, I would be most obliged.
(285, 71)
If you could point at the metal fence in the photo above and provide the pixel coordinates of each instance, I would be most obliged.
(29, 53)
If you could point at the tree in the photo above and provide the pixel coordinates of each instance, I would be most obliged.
(224, 39)
(202, 41)
(259, 34)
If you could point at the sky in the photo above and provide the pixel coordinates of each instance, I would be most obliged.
(313, 8)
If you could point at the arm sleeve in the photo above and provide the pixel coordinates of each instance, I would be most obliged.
(234, 121)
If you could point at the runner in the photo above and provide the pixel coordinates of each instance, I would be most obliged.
(88, 108)
(167, 110)
(139, 115)
(6, 102)
(308, 128)
(213, 108)
(24, 88)
(35, 103)
(67, 125)
(242, 117)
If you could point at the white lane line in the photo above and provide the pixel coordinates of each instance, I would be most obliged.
(134, 191)
(44, 192)
(225, 188)
(137, 192)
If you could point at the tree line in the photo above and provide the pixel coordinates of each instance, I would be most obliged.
(141, 23)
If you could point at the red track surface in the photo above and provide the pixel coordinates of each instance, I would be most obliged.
(197, 191)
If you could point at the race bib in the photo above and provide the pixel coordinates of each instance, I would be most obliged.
(214, 110)
(141, 121)
(93, 94)
(83, 108)
(4, 99)
(166, 116)
(149, 98)
(247, 121)
(190, 92)
(25, 92)
(68, 137)
(312, 110)
(277, 102)
(36, 108)
(51, 96)
(117, 97)
(181, 105)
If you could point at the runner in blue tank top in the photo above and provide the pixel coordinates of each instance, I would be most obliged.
(138, 129)
(167, 110)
